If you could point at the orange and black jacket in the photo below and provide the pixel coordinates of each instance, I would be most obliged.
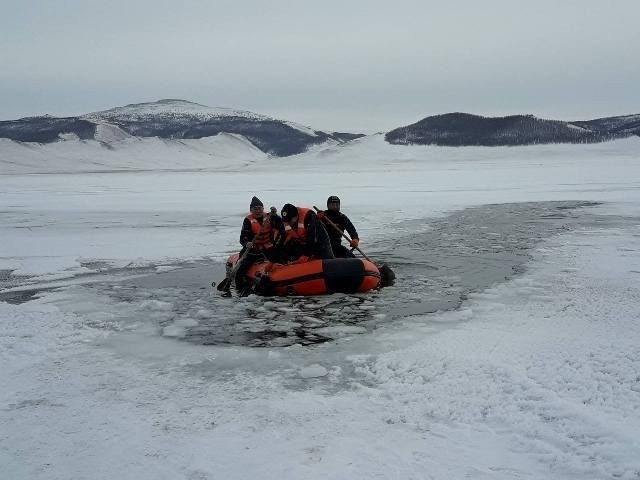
(273, 235)
(310, 235)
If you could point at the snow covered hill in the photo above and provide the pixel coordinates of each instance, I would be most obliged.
(127, 153)
(464, 129)
(182, 135)
(168, 109)
(173, 120)
(625, 125)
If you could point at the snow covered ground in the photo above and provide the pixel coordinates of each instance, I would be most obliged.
(534, 376)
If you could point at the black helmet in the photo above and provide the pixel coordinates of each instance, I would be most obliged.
(288, 212)
(255, 202)
(332, 199)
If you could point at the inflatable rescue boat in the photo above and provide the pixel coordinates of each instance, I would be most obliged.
(314, 277)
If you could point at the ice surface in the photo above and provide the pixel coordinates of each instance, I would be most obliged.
(313, 371)
(532, 376)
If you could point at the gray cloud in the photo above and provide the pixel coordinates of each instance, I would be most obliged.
(360, 65)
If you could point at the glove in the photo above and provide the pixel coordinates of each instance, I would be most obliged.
(302, 259)
(354, 243)
(321, 215)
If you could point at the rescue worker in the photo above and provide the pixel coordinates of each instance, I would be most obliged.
(305, 235)
(262, 235)
(333, 214)
(252, 224)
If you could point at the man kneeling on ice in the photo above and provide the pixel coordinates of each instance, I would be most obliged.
(305, 235)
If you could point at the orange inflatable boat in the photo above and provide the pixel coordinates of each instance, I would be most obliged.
(315, 277)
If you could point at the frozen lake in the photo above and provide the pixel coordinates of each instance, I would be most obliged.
(508, 347)
(440, 262)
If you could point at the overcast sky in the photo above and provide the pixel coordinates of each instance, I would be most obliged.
(334, 65)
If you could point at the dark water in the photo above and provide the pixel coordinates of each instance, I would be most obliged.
(472, 249)
(437, 265)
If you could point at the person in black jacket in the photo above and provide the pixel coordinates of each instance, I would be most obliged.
(306, 236)
(334, 214)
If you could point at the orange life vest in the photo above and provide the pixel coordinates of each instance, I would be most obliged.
(298, 233)
(263, 235)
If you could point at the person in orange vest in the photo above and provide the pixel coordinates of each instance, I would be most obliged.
(343, 223)
(305, 236)
(262, 235)
(253, 236)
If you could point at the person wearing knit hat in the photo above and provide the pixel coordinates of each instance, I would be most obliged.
(254, 221)
(306, 236)
(341, 221)
(262, 234)
(289, 212)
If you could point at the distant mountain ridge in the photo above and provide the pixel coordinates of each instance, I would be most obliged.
(174, 119)
(626, 124)
(464, 129)
(46, 129)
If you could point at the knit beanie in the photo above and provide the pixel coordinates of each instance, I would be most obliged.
(332, 199)
(288, 212)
